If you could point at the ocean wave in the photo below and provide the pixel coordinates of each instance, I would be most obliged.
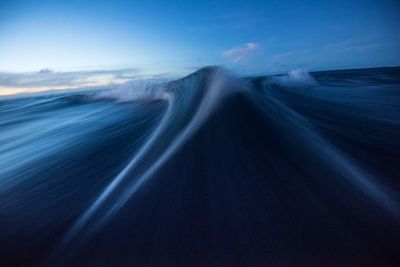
(211, 163)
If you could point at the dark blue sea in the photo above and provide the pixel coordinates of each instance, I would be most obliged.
(301, 169)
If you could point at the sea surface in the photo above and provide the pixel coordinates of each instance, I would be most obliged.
(300, 169)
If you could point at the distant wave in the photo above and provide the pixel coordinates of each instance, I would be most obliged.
(298, 77)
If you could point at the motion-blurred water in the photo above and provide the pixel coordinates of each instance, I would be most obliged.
(210, 170)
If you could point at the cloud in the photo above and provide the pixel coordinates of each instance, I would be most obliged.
(47, 79)
(239, 54)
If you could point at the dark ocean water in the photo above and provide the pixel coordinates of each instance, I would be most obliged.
(210, 170)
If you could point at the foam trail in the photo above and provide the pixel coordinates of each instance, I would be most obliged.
(84, 219)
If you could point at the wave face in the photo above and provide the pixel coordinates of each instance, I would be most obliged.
(211, 170)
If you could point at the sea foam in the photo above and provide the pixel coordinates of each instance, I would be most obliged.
(298, 77)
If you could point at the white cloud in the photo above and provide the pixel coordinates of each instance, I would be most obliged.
(46, 79)
(239, 54)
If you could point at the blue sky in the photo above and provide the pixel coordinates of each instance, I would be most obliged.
(176, 37)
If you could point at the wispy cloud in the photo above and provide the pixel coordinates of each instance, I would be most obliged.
(239, 54)
(46, 79)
